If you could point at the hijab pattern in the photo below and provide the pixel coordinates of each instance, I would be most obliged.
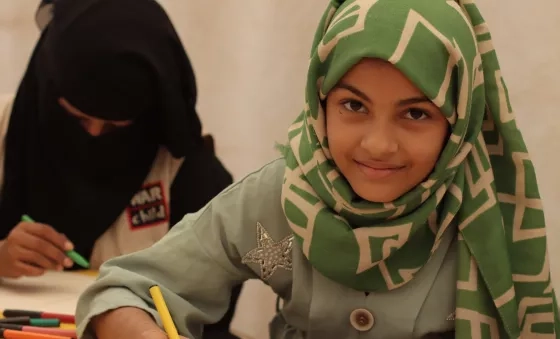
(483, 186)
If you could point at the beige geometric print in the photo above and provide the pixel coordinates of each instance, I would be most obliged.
(488, 125)
(521, 202)
(527, 302)
(505, 114)
(456, 192)
(323, 50)
(476, 319)
(362, 234)
(413, 20)
(472, 283)
(406, 275)
(305, 232)
(464, 151)
(537, 318)
(505, 298)
(484, 183)
(478, 79)
(542, 276)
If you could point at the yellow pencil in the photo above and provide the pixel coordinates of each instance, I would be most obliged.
(161, 307)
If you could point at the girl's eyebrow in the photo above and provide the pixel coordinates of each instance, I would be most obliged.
(354, 90)
(403, 102)
(413, 100)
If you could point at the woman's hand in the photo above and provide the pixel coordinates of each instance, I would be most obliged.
(32, 248)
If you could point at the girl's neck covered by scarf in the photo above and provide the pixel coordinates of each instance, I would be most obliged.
(114, 60)
(483, 186)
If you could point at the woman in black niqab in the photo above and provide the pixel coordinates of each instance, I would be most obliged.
(115, 60)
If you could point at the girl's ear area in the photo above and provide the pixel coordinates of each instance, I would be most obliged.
(324, 105)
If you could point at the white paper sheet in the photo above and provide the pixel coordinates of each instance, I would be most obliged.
(52, 292)
(59, 291)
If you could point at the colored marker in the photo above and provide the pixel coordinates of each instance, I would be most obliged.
(42, 330)
(11, 334)
(65, 318)
(163, 311)
(31, 321)
(78, 259)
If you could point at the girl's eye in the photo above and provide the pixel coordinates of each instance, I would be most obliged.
(416, 114)
(354, 106)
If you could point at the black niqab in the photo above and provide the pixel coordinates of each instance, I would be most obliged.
(115, 60)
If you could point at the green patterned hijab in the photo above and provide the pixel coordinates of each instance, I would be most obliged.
(483, 186)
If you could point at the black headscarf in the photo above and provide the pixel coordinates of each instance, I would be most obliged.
(43, 15)
(115, 60)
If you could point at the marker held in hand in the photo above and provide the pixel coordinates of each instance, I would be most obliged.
(76, 258)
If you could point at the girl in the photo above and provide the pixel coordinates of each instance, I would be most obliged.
(405, 206)
(103, 144)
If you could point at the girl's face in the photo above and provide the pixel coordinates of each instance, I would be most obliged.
(384, 135)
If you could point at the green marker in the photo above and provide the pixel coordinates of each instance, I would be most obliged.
(38, 322)
(44, 322)
(78, 259)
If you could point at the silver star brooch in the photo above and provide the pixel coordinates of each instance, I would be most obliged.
(270, 254)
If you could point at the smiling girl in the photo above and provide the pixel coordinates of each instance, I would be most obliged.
(405, 205)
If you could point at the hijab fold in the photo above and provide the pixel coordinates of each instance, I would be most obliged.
(483, 186)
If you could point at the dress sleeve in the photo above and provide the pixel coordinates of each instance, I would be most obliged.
(196, 264)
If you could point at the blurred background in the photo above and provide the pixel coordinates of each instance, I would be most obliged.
(250, 59)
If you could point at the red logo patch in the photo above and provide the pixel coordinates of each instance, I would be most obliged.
(148, 207)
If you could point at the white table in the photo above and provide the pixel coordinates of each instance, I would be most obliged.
(59, 291)
(53, 292)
